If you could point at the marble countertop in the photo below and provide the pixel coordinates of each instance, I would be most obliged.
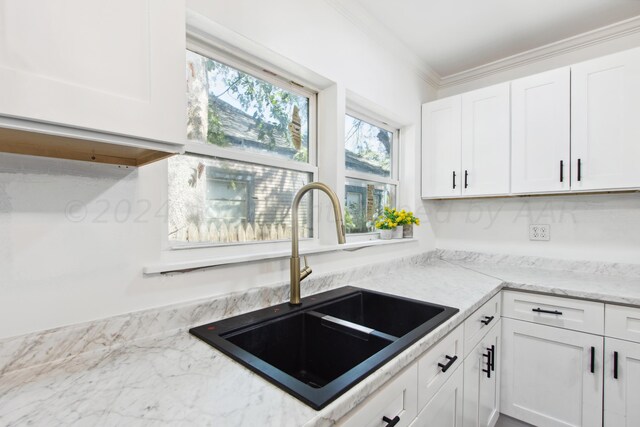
(176, 379)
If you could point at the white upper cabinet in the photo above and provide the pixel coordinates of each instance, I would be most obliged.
(486, 141)
(115, 67)
(540, 133)
(605, 123)
(441, 126)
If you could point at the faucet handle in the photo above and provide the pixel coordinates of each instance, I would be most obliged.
(306, 270)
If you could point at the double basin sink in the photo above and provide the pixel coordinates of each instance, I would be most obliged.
(318, 350)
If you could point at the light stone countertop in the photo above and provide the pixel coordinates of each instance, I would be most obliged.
(175, 379)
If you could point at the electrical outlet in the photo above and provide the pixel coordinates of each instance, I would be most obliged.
(539, 232)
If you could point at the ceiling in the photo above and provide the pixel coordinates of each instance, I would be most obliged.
(451, 36)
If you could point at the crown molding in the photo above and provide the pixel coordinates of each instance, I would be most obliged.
(561, 47)
(373, 28)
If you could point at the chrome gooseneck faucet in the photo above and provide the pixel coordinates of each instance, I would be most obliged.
(296, 274)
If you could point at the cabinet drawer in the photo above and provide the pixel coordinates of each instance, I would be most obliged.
(445, 408)
(578, 315)
(478, 324)
(398, 398)
(622, 322)
(437, 365)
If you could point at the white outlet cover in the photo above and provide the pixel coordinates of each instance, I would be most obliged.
(539, 232)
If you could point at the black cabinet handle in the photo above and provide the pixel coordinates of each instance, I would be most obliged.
(579, 169)
(451, 361)
(488, 356)
(493, 357)
(454, 180)
(593, 359)
(615, 365)
(561, 171)
(539, 310)
(466, 178)
(487, 320)
(491, 360)
(391, 423)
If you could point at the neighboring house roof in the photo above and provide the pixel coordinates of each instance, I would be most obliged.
(242, 129)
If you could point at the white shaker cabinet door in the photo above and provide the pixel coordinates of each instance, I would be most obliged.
(605, 124)
(114, 66)
(540, 133)
(445, 407)
(482, 381)
(621, 383)
(441, 125)
(551, 377)
(486, 141)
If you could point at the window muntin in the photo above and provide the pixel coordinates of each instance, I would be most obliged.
(231, 108)
(219, 201)
(368, 148)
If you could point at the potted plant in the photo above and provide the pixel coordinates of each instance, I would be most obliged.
(386, 227)
(407, 219)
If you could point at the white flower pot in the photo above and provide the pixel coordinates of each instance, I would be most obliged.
(386, 234)
(397, 232)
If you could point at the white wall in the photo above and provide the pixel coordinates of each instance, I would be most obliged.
(600, 227)
(74, 237)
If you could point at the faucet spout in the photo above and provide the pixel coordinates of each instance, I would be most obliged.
(295, 273)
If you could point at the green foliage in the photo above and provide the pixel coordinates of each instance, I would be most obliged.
(215, 135)
(348, 221)
(272, 105)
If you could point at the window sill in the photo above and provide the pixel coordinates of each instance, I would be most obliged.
(186, 266)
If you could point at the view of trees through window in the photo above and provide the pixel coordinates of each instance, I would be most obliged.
(368, 164)
(364, 203)
(230, 108)
(215, 196)
(367, 147)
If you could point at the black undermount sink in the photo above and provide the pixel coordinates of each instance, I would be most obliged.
(333, 340)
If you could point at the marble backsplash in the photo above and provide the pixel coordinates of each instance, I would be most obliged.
(587, 267)
(51, 345)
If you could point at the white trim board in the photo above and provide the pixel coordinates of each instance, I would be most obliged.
(198, 264)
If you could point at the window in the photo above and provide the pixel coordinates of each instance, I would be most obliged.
(371, 172)
(251, 147)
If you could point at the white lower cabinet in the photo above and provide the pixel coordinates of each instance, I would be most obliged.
(396, 402)
(482, 381)
(438, 364)
(445, 407)
(621, 383)
(551, 376)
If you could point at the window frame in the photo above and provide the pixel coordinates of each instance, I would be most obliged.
(393, 179)
(255, 69)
